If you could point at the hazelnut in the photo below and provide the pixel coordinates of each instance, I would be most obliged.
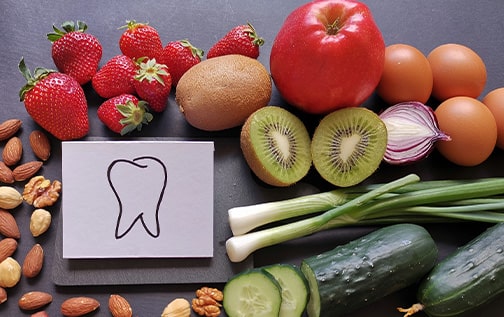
(179, 307)
(40, 221)
(10, 272)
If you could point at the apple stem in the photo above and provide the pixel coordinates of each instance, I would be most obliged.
(334, 27)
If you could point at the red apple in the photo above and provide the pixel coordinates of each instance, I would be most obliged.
(327, 55)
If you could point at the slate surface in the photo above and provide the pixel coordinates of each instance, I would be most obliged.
(424, 24)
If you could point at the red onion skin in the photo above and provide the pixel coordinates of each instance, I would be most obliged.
(408, 146)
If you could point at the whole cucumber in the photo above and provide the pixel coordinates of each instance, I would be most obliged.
(369, 268)
(469, 277)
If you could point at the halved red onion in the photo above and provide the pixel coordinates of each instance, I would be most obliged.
(412, 130)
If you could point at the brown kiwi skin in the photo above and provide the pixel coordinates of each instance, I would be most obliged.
(220, 93)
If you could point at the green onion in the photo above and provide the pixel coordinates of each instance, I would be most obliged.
(404, 200)
(241, 246)
(246, 218)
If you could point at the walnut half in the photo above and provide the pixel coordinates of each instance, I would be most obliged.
(40, 192)
(207, 301)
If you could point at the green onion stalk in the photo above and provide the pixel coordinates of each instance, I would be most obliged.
(404, 200)
(241, 246)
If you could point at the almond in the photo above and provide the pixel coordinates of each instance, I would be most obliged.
(34, 300)
(12, 151)
(8, 128)
(40, 144)
(79, 306)
(3, 295)
(26, 170)
(40, 314)
(33, 261)
(119, 306)
(8, 225)
(7, 247)
(6, 175)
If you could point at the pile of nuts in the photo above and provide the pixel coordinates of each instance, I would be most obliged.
(36, 193)
(40, 193)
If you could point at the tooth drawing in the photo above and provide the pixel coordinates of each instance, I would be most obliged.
(146, 178)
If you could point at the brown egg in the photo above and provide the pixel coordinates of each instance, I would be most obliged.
(457, 70)
(406, 76)
(471, 127)
(494, 100)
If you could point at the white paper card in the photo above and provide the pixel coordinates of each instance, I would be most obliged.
(132, 199)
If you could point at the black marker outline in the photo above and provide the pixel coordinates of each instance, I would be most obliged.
(140, 216)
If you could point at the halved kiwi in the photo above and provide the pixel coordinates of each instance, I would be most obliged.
(276, 146)
(348, 145)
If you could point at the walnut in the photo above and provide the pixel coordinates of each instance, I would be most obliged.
(40, 192)
(207, 301)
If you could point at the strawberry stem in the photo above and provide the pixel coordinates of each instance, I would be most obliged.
(256, 39)
(150, 70)
(131, 25)
(196, 52)
(134, 116)
(67, 27)
(31, 80)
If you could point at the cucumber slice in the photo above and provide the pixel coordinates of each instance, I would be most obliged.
(294, 286)
(252, 293)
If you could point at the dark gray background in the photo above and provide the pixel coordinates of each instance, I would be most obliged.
(424, 24)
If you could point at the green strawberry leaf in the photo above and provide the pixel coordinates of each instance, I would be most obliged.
(134, 116)
(256, 39)
(31, 80)
(196, 52)
(151, 70)
(67, 27)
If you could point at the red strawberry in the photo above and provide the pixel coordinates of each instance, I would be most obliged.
(153, 84)
(242, 39)
(179, 56)
(140, 40)
(124, 113)
(74, 52)
(116, 77)
(56, 102)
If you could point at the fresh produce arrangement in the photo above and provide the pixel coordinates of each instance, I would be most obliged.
(327, 59)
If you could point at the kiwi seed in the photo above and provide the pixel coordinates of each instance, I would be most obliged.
(348, 145)
(276, 146)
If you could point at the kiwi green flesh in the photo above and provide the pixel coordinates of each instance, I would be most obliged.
(276, 145)
(348, 145)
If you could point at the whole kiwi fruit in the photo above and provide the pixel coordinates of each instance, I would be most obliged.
(221, 92)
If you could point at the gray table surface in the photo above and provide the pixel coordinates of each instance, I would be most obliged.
(424, 24)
